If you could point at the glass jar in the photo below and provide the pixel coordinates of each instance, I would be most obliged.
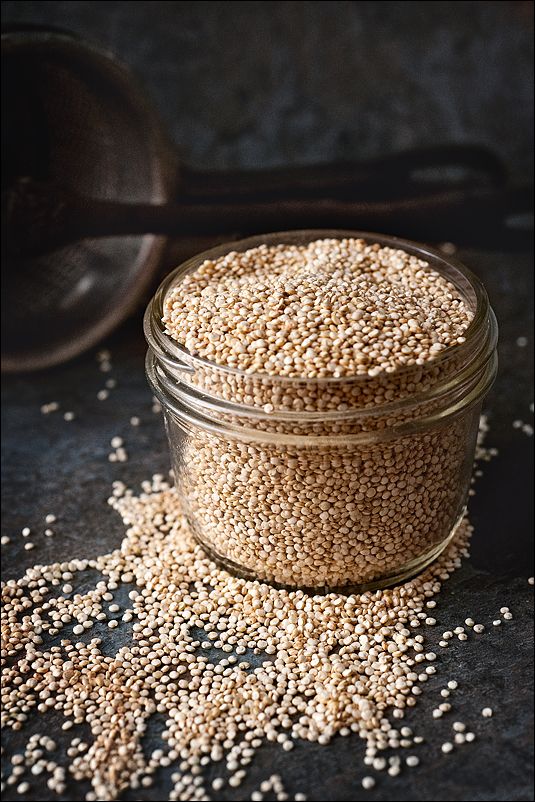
(350, 483)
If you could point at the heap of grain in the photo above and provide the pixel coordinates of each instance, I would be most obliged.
(231, 664)
(334, 339)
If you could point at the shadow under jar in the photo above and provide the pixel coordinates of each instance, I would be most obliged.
(350, 483)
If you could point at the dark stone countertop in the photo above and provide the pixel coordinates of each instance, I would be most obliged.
(50, 465)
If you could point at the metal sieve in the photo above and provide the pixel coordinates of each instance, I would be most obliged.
(73, 114)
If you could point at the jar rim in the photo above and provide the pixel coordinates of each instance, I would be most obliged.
(178, 357)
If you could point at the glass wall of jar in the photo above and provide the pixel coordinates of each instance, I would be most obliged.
(336, 483)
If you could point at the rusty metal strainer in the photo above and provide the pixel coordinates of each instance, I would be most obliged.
(73, 114)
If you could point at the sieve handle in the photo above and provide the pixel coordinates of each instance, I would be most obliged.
(41, 217)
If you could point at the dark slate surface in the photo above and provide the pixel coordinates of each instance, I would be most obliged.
(264, 83)
(59, 467)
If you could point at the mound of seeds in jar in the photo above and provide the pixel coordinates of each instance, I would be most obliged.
(304, 514)
(231, 664)
(330, 308)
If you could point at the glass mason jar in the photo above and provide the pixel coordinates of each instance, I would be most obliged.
(349, 483)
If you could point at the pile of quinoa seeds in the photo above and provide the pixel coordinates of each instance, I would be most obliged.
(229, 664)
(330, 308)
(289, 666)
(305, 514)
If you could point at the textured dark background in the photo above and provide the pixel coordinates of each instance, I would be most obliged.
(265, 83)
(257, 84)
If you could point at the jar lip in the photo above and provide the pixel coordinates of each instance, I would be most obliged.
(180, 358)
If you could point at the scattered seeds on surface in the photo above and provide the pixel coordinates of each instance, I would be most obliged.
(52, 407)
(68, 416)
(487, 712)
(336, 686)
(368, 783)
(173, 568)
